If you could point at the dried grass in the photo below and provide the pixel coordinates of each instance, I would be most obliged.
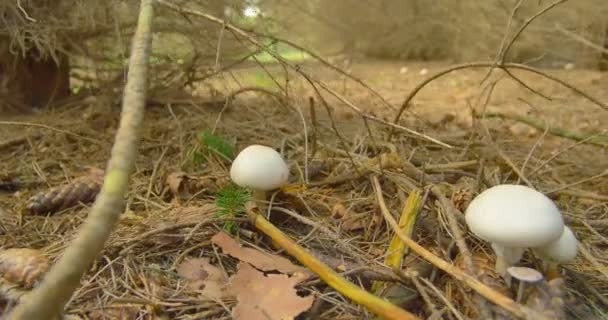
(138, 271)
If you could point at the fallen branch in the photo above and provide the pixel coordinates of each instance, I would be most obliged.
(397, 249)
(596, 139)
(49, 299)
(373, 303)
(38, 125)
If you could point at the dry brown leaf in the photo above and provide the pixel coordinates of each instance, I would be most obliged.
(271, 297)
(204, 277)
(175, 181)
(23, 266)
(338, 211)
(260, 260)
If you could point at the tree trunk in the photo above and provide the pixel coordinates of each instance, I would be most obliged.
(30, 81)
(603, 65)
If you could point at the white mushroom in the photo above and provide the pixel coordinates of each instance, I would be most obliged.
(524, 274)
(513, 218)
(259, 168)
(562, 250)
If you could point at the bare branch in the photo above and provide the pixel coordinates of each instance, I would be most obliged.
(49, 299)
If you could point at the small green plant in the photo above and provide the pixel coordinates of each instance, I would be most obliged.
(231, 203)
(210, 142)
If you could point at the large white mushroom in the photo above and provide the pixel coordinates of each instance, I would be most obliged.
(562, 250)
(513, 218)
(259, 168)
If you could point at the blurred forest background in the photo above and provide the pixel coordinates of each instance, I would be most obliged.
(46, 42)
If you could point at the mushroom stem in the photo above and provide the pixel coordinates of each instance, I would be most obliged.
(259, 195)
(552, 270)
(506, 257)
(525, 276)
(520, 291)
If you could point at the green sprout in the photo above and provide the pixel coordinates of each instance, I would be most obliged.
(210, 143)
(231, 203)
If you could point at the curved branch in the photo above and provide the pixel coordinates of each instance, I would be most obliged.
(48, 300)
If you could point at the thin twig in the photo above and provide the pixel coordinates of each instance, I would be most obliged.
(526, 24)
(31, 124)
(296, 68)
(570, 185)
(485, 64)
(598, 139)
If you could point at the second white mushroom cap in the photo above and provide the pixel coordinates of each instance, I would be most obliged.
(260, 168)
(562, 250)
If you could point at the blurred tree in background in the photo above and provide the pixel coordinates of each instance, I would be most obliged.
(49, 48)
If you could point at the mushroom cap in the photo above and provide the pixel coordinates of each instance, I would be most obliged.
(525, 274)
(260, 168)
(564, 249)
(514, 216)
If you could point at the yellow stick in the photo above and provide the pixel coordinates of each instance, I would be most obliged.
(397, 248)
(373, 303)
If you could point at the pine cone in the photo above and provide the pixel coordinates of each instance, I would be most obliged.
(463, 193)
(23, 266)
(81, 190)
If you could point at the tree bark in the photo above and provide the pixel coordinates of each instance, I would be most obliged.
(57, 287)
(603, 64)
(30, 81)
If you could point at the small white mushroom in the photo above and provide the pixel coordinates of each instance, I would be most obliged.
(259, 168)
(524, 275)
(513, 218)
(562, 250)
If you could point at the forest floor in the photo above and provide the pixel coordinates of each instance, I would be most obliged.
(168, 257)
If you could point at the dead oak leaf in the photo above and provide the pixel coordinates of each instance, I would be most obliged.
(23, 266)
(338, 211)
(266, 297)
(260, 260)
(204, 277)
(175, 180)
